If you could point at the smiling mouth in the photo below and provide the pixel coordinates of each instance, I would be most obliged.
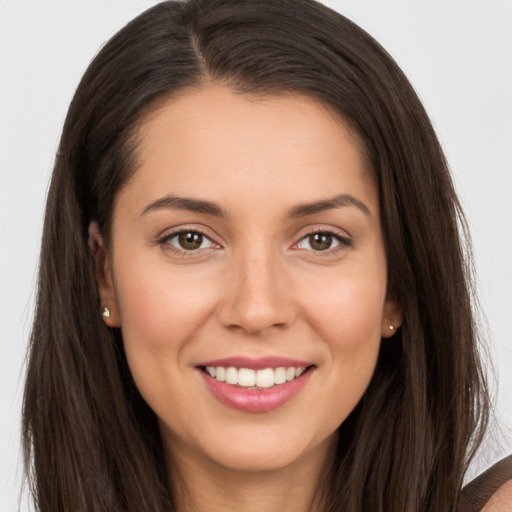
(255, 379)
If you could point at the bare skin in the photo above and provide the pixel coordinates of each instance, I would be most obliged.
(288, 262)
(501, 501)
(296, 488)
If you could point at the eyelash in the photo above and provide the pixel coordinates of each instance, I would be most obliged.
(343, 242)
(165, 242)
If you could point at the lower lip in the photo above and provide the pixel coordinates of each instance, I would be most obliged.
(256, 400)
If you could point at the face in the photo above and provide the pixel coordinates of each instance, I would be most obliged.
(247, 273)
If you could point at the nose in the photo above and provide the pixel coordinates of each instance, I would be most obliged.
(257, 294)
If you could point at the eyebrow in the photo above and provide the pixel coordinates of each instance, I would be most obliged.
(185, 203)
(332, 203)
(209, 208)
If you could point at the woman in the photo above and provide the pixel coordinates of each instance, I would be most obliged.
(252, 290)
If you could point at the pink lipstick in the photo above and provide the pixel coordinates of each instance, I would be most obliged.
(255, 385)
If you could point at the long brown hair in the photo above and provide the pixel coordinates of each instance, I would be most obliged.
(91, 443)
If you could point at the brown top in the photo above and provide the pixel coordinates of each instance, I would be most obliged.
(477, 493)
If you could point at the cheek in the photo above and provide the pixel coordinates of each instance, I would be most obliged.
(157, 304)
(347, 314)
(160, 313)
(346, 319)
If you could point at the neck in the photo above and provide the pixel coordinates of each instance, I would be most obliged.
(204, 486)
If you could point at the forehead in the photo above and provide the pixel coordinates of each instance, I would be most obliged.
(215, 142)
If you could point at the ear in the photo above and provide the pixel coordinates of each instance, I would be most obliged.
(392, 317)
(104, 279)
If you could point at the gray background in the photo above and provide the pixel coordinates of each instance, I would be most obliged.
(457, 54)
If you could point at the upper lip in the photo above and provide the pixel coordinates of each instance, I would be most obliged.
(256, 363)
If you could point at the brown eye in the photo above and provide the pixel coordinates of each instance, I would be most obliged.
(190, 240)
(187, 241)
(320, 241)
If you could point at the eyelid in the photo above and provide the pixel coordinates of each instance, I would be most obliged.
(170, 233)
(311, 229)
(344, 238)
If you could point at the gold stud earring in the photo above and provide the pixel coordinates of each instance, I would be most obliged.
(106, 312)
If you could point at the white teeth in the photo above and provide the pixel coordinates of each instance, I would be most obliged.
(248, 378)
(265, 378)
(221, 373)
(280, 375)
(232, 376)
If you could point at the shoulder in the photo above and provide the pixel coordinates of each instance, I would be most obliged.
(501, 500)
(491, 491)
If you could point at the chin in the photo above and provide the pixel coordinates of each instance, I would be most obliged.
(261, 450)
(257, 459)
